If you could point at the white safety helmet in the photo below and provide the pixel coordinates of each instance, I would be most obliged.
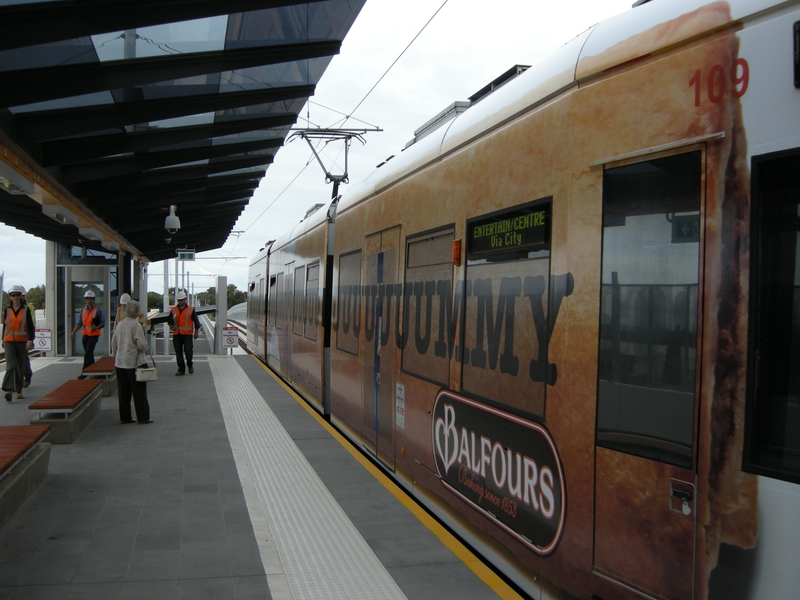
(125, 298)
(89, 294)
(17, 289)
(180, 296)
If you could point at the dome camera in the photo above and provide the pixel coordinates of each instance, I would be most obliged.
(172, 222)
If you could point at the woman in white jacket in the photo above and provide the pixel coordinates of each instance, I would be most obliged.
(129, 347)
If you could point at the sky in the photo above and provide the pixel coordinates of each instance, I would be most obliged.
(460, 46)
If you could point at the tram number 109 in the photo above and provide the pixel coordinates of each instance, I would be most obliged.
(717, 82)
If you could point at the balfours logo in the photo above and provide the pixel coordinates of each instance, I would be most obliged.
(505, 466)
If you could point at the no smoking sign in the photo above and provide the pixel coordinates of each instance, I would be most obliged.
(230, 337)
(42, 341)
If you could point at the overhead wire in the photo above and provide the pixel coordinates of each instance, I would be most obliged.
(346, 116)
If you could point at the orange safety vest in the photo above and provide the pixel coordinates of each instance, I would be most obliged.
(183, 320)
(88, 317)
(14, 325)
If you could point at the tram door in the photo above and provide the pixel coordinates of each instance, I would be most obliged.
(647, 398)
(379, 350)
(285, 336)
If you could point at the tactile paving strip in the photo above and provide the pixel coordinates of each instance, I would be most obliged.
(322, 553)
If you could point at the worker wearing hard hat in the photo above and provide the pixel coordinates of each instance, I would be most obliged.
(91, 321)
(185, 329)
(18, 335)
(123, 300)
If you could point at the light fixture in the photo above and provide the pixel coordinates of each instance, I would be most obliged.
(60, 213)
(110, 245)
(172, 222)
(90, 233)
(13, 182)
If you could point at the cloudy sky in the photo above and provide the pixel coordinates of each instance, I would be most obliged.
(465, 45)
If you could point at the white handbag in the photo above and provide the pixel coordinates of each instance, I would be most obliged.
(147, 373)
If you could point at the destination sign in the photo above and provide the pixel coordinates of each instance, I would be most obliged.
(526, 228)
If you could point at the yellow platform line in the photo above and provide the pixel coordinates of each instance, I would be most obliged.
(476, 565)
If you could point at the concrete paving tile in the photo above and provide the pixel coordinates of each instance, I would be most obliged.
(108, 567)
(208, 589)
(244, 557)
(251, 588)
(95, 591)
(439, 581)
(204, 560)
(12, 569)
(40, 592)
(151, 590)
(47, 575)
(158, 539)
(156, 564)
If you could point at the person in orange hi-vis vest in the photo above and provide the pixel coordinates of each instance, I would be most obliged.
(18, 335)
(91, 321)
(185, 329)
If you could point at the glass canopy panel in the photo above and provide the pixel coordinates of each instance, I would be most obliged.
(173, 88)
(331, 20)
(96, 99)
(265, 76)
(269, 27)
(15, 2)
(184, 37)
(315, 21)
(201, 119)
(67, 52)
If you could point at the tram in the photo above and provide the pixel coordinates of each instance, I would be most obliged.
(568, 320)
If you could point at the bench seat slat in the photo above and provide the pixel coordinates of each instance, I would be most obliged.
(67, 396)
(17, 440)
(101, 367)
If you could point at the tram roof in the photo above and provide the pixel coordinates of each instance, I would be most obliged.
(111, 111)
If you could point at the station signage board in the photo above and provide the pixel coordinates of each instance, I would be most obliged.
(43, 339)
(230, 337)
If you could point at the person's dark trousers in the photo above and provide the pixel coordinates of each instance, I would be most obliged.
(15, 365)
(183, 344)
(89, 342)
(28, 375)
(127, 386)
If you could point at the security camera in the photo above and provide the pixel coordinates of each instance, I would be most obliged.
(172, 222)
(168, 240)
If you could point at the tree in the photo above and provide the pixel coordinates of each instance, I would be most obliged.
(154, 301)
(36, 297)
(235, 296)
(207, 298)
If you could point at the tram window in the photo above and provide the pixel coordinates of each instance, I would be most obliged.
(773, 414)
(648, 308)
(427, 329)
(506, 298)
(298, 314)
(273, 289)
(348, 303)
(279, 299)
(312, 301)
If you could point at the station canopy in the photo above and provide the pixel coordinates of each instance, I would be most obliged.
(115, 110)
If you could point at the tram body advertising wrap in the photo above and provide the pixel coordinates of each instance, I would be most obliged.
(567, 321)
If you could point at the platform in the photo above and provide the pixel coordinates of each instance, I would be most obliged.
(235, 491)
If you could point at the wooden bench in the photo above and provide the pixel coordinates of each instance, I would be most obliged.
(69, 408)
(104, 370)
(24, 459)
